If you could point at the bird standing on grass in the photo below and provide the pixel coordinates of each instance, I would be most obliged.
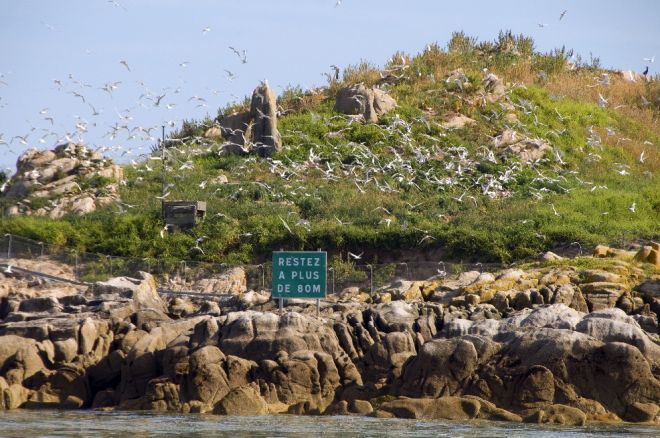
(164, 230)
(198, 241)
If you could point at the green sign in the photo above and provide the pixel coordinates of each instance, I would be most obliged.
(299, 274)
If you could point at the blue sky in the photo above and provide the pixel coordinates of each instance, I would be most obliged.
(81, 44)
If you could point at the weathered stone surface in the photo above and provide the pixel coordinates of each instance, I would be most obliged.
(234, 127)
(602, 295)
(358, 99)
(457, 121)
(44, 304)
(494, 87)
(83, 205)
(214, 133)
(549, 361)
(511, 143)
(242, 401)
(641, 412)
(263, 110)
(227, 149)
(449, 408)
(558, 414)
(232, 282)
(362, 407)
(57, 175)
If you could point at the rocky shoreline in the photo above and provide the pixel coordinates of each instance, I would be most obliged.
(567, 342)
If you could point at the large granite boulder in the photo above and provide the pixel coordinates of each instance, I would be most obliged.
(244, 401)
(234, 127)
(371, 103)
(263, 111)
(509, 143)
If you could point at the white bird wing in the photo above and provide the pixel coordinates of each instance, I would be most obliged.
(285, 225)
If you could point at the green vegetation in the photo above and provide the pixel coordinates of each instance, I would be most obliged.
(406, 184)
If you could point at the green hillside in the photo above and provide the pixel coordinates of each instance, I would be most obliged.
(406, 186)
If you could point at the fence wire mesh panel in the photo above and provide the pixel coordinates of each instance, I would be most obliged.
(184, 275)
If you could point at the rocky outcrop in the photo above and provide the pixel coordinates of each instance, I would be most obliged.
(234, 127)
(516, 345)
(493, 86)
(509, 143)
(232, 281)
(68, 179)
(263, 110)
(649, 254)
(370, 103)
(256, 128)
(457, 121)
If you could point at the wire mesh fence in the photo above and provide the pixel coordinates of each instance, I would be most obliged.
(194, 275)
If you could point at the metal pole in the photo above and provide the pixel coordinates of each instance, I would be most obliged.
(318, 301)
(162, 160)
(331, 269)
(162, 170)
(110, 260)
(42, 248)
(75, 269)
(9, 246)
(263, 276)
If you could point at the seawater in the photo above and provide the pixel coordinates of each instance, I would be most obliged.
(51, 423)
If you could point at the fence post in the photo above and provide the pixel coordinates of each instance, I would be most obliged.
(110, 260)
(332, 269)
(371, 280)
(75, 266)
(42, 249)
(9, 246)
(263, 276)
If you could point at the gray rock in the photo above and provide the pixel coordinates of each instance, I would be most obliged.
(360, 100)
(263, 110)
(234, 127)
(242, 401)
(227, 149)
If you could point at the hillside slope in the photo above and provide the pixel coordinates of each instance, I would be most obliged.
(415, 183)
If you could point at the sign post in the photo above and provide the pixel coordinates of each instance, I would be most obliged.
(299, 274)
